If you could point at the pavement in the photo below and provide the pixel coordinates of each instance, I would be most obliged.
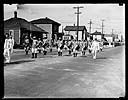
(65, 76)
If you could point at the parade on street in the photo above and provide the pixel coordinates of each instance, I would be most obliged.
(46, 55)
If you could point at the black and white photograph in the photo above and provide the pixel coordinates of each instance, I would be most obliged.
(64, 50)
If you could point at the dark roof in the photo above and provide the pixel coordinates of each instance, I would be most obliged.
(22, 23)
(45, 21)
(96, 33)
(74, 28)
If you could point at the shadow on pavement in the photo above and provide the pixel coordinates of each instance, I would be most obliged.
(67, 55)
(83, 56)
(18, 62)
(46, 56)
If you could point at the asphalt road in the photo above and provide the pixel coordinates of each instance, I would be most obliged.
(67, 77)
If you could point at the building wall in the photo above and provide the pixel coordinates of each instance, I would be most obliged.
(16, 34)
(73, 33)
(48, 28)
(97, 36)
(80, 35)
(109, 39)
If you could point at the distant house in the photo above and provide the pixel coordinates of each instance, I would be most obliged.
(19, 28)
(82, 32)
(52, 27)
(97, 35)
(109, 37)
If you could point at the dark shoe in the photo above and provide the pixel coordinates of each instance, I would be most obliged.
(73, 54)
(39, 51)
(32, 55)
(76, 54)
(26, 52)
(58, 53)
(61, 53)
(69, 52)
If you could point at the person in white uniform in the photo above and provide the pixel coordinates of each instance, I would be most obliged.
(34, 46)
(8, 48)
(11, 39)
(76, 47)
(60, 47)
(95, 47)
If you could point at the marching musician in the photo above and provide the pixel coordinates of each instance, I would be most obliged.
(34, 46)
(76, 47)
(8, 48)
(60, 47)
(26, 44)
(95, 47)
(84, 46)
(45, 45)
(70, 46)
(40, 43)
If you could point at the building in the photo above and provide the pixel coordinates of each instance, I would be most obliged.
(52, 27)
(72, 30)
(97, 35)
(19, 28)
(60, 35)
(109, 37)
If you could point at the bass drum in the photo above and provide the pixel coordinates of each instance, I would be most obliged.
(85, 48)
(78, 47)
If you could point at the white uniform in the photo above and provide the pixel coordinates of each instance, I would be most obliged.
(84, 47)
(95, 47)
(59, 46)
(34, 46)
(7, 50)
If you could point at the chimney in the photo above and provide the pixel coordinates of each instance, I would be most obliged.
(15, 14)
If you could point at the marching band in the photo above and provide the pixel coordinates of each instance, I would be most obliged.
(73, 47)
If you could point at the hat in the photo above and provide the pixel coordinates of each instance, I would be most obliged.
(34, 37)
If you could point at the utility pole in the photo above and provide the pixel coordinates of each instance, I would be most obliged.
(112, 31)
(90, 25)
(102, 27)
(112, 34)
(78, 7)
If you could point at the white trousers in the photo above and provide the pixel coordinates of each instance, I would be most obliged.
(34, 50)
(7, 55)
(94, 52)
(59, 50)
(75, 51)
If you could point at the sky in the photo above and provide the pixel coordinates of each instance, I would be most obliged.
(112, 14)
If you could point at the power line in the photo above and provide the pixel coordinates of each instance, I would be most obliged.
(78, 7)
